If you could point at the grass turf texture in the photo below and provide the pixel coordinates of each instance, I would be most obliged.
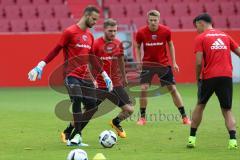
(30, 130)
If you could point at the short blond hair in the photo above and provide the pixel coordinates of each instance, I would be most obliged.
(109, 22)
(153, 13)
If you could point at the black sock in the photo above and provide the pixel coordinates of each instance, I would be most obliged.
(193, 132)
(232, 134)
(182, 111)
(143, 112)
(69, 128)
(116, 121)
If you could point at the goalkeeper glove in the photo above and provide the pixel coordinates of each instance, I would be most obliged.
(108, 81)
(36, 72)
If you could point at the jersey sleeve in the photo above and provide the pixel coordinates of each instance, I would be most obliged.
(139, 38)
(198, 46)
(65, 38)
(233, 44)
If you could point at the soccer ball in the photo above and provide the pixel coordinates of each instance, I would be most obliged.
(107, 139)
(77, 154)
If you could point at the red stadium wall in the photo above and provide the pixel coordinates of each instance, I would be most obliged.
(19, 53)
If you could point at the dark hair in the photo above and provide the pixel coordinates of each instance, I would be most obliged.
(89, 9)
(109, 22)
(203, 17)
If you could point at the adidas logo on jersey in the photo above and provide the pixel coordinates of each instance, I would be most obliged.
(218, 44)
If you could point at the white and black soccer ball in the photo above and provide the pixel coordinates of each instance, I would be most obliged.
(107, 139)
(77, 154)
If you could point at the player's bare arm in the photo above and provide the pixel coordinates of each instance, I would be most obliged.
(172, 53)
(138, 53)
(199, 56)
(121, 64)
(237, 52)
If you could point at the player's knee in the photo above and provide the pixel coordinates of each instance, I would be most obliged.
(144, 87)
(129, 109)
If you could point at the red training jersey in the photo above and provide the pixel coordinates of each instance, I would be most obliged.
(108, 53)
(216, 47)
(77, 47)
(154, 44)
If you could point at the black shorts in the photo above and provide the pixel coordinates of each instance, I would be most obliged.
(83, 90)
(118, 96)
(165, 75)
(221, 86)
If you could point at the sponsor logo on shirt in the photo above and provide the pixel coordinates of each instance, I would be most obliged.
(218, 44)
(84, 37)
(83, 46)
(108, 58)
(154, 44)
(154, 36)
(216, 35)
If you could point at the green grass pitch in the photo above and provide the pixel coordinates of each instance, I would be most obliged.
(30, 130)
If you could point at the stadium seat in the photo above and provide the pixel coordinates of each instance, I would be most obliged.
(61, 11)
(34, 25)
(195, 8)
(51, 25)
(212, 8)
(4, 25)
(108, 3)
(187, 22)
(45, 11)
(117, 11)
(227, 8)
(145, 2)
(220, 22)
(173, 1)
(237, 5)
(29, 12)
(39, 2)
(7, 2)
(56, 2)
(2, 13)
(65, 22)
(23, 2)
(126, 20)
(18, 25)
(12, 12)
(165, 10)
(172, 22)
(133, 10)
(180, 9)
(158, 2)
(234, 21)
(147, 7)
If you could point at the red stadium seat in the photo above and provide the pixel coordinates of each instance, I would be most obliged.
(187, 22)
(56, 2)
(108, 3)
(4, 25)
(66, 22)
(174, 1)
(126, 20)
(190, 1)
(195, 8)
(227, 8)
(220, 22)
(7, 2)
(205, 1)
(18, 25)
(61, 11)
(23, 2)
(234, 21)
(181, 9)
(133, 10)
(172, 22)
(237, 5)
(117, 11)
(212, 8)
(12, 12)
(144, 2)
(148, 7)
(51, 25)
(39, 2)
(2, 12)
(29, 12)
(165, 9)
(34, 25)
(45, 11)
